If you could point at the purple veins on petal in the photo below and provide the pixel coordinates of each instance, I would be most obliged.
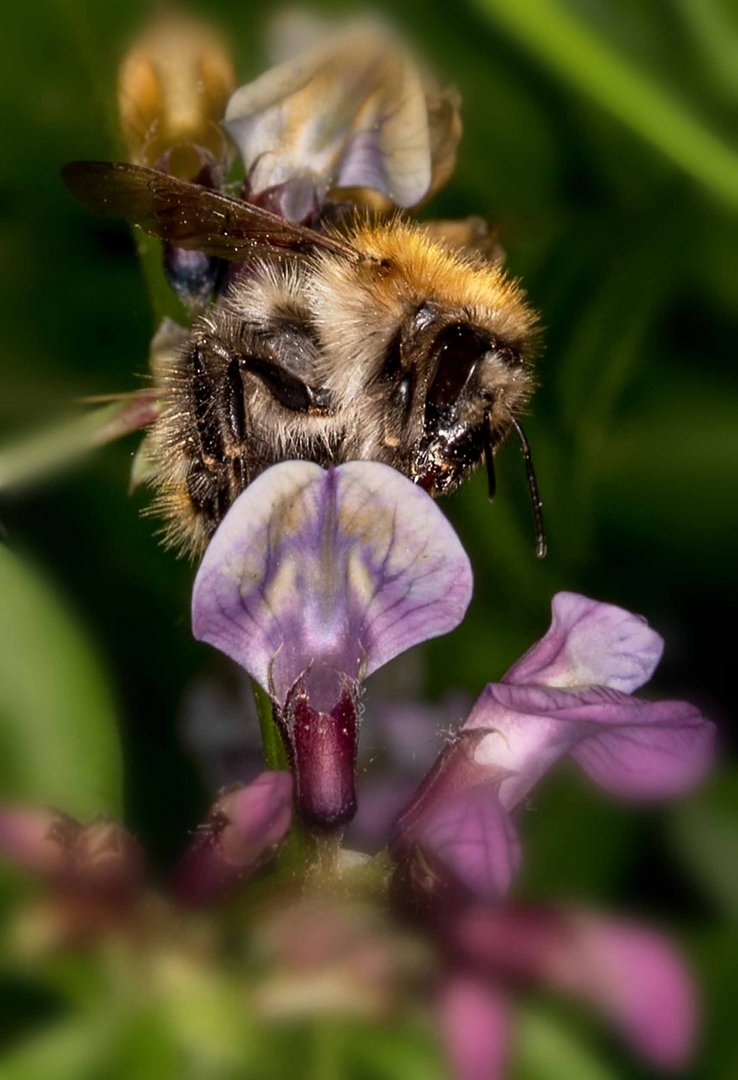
(314, 579)
(473, 839)
(545, 708)
(590, 644)
(631, 747)
(343, 568)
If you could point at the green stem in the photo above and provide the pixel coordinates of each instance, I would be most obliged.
(549, 30)
(326, 1051)
(275, 755)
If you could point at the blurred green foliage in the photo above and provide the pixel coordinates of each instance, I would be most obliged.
(57, 720)
(600, 136)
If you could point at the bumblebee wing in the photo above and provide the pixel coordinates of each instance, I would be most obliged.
(192, 216)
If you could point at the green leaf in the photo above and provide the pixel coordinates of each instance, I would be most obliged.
(548, 1049)
(75, 1047)
(58, 733)
(36, 457)
(577, 54)
(394, 1053)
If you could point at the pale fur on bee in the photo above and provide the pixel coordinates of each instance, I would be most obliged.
(331, 360)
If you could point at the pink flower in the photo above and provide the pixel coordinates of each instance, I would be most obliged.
(629, 973)
(571, 693)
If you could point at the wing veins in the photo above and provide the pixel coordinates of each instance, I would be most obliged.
(192, 216)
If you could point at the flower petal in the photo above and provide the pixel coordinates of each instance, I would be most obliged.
(590, 644)
(332, 570)
(633, 748)
(348, 111)
(636, 978)
(631, 973)
(472, 837)
(244, 827)
(475, 1027)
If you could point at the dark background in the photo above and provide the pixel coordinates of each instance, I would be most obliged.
(614, 184)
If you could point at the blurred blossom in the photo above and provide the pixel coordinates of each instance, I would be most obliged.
(219, 725)
(314, 580)
(243, 829)
(38, 840)
(93, 872)
(630, 973)
(474, 1025)
(173, 85)
(569, 694)
(337, 955)
(346, 109)
(100, 857)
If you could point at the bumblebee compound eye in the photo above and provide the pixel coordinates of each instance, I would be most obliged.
(458, 350)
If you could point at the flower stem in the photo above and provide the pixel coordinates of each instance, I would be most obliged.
(275, 755)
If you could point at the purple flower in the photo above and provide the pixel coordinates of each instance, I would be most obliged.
(244, 828)
(314, 580)
(569, 694)
(629, 973)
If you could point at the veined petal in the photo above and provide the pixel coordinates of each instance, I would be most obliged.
(590, 644)
(470, 837)
(338, 570)
(631, 747)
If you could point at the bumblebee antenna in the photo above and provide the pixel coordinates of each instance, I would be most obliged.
(489, 462)
(530, 475)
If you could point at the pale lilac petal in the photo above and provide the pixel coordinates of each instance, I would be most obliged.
(590, 644)
(349, 110)
(475, 1027)
(471, 838)
(338, 570)
(637, 979)
(633, 748)
(243, 829)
